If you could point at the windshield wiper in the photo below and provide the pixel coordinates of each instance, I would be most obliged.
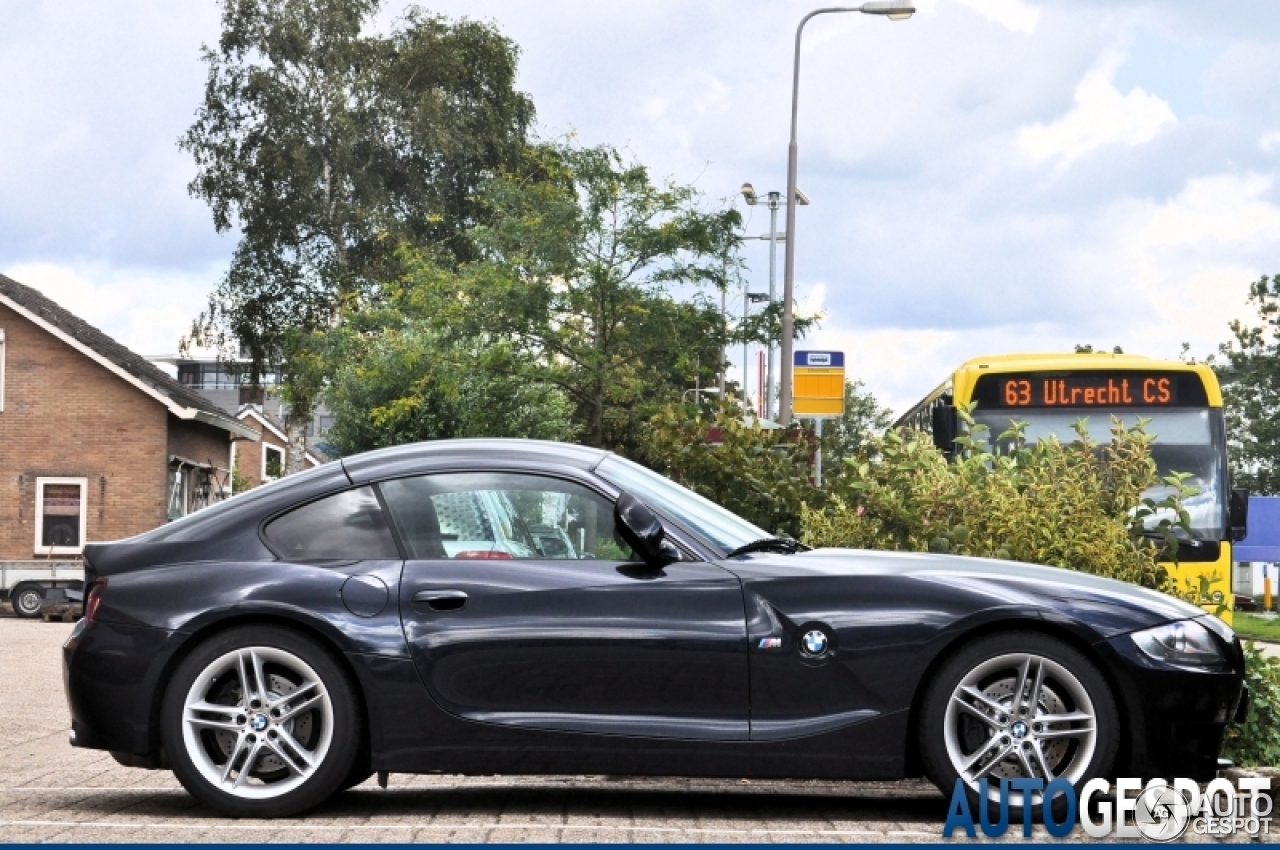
(784, 544)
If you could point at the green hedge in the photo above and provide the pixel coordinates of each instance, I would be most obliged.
(1257, 741)
(1077, 505)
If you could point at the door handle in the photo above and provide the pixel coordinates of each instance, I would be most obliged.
(440, 600)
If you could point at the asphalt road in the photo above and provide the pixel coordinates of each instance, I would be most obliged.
(50, 791)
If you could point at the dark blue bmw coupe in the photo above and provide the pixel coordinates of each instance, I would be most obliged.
(515, 607)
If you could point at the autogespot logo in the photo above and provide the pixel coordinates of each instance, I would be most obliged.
(1160, 811)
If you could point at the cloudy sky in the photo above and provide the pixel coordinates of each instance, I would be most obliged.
(992, 175)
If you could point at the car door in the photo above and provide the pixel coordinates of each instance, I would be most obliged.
(522, 607)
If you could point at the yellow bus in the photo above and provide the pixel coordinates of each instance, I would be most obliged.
(1050, 392)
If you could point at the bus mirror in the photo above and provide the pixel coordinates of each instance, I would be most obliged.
(1239, 514)
(946, 426)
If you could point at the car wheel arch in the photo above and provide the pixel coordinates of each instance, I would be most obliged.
(1129, 734)
(212, 629)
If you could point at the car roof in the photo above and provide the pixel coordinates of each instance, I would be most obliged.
(381, 463)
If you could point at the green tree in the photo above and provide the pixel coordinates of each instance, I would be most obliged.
(409, 385)
(315, 141)
(600, 275)
(1250, 369)
(403, 371)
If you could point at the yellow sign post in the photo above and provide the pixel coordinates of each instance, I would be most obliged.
(818, 393)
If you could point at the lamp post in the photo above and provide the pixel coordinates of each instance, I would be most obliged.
(773, 200)
(895, 10)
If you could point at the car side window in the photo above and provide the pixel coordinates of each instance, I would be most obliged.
(345, 526)
(502, 515)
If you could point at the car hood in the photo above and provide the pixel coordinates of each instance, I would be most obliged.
(1121, 606)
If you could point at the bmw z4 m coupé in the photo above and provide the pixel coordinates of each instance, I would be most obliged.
(515, 607)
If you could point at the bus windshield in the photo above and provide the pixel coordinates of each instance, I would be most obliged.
(1184, 442)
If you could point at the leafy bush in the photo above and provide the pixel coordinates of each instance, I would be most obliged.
(1257, 740)
(760, 474)
(1077, 505)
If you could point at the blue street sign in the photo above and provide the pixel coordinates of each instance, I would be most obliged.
(820, 359)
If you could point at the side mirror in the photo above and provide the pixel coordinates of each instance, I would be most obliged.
(946, 427)
(641, 529)
(1239, 514)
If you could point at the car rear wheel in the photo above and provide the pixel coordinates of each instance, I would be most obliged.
(1017, 705)
(26, 601)
(261, 722)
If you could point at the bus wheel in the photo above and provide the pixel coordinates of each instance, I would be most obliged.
(27, 599)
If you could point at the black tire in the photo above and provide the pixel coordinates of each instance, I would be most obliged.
(358, 776)
(27, 600)
(332, 769)
(985, 651)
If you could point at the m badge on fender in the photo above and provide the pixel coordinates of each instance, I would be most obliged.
(770, 643)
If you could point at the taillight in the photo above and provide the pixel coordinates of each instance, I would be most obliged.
(94, 599)
(483, 555)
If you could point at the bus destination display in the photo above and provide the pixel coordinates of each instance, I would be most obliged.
(1090, 389)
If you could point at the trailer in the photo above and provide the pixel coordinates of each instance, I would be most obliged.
(29, 584)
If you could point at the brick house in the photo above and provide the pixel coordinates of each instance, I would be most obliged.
(96, 443)
(264, 460)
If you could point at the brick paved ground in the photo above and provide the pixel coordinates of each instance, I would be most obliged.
(52, 792)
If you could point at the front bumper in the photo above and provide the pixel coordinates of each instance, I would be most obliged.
(111, 675)
(1174, 718)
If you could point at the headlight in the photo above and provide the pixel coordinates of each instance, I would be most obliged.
(1185, 642)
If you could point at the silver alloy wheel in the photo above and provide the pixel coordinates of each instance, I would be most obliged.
(257, 722)
(1020, 715)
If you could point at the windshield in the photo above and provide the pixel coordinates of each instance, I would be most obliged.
(701, 516)
(1183, 443)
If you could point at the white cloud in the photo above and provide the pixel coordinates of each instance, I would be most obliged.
(1270, 142)
(1146, 275)
(1102, 115)
(1193, 257)
(1229, 210)
(144, 310)
(1015, 15)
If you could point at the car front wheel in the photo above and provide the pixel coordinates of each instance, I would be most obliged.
(261, 722)
(1018, 705)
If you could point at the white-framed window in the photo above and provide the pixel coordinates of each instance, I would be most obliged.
(1, 370)
(273, 458)
(61, 515)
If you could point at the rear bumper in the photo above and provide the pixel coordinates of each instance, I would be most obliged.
(1174, 718)
(111, 674)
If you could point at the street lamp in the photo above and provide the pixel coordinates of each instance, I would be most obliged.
(895, 10)
(773, 200)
